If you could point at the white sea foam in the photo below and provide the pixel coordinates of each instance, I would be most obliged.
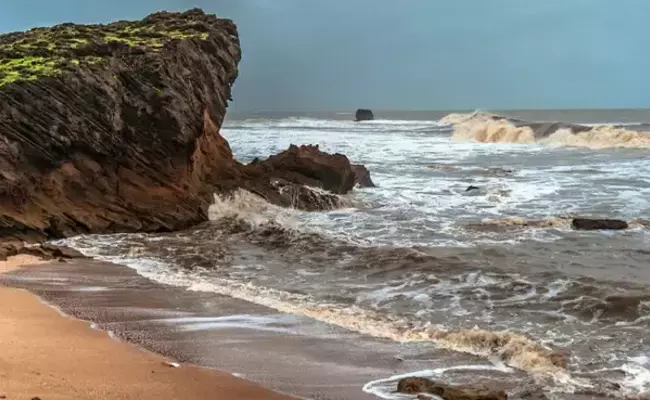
(243, 321)
(637, 378)
(251, 208)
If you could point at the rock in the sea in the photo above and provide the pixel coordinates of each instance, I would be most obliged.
(307, 165)
(589, 224)
(472, 188)
(362, 176)
(416, 385)
(303, 197)
(115, 128)
(363, 114)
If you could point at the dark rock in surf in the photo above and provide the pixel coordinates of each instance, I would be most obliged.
(363, 114)
(590, 224)
(362, 176)
(472, 188)
(307, 165)
(304, 198)
(422, 385)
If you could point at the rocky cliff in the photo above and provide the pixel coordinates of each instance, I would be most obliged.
(107, 128)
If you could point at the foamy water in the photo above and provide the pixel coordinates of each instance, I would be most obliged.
(496, 272)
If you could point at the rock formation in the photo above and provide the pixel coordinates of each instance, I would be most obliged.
(363, 114)
(590, 224)
(362, 176)
(422, 385)
(297, 171)
(307, 165)
(107, 128)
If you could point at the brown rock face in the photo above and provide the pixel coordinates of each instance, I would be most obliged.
(107, 128)
(125, 138)
(423, 385)
(362, 176)
(307, 165)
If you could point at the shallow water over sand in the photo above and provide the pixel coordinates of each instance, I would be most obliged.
(421, 260)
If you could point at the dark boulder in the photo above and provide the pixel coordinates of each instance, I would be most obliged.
(307, 165)
(363, 114)
(591, 224)
(472, 188)
(422, 385)
(305, 198)
(362, 176)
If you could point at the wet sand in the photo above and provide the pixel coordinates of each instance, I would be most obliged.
(46, 355)
(286, 353)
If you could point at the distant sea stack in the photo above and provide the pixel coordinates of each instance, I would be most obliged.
(115, 128)
(363, 114)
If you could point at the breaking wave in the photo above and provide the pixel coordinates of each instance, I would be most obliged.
(489, 128)
(600, 137)
(251, 208)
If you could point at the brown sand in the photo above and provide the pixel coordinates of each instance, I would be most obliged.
(46, 355)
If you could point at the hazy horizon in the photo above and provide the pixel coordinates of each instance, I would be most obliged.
(305, 55)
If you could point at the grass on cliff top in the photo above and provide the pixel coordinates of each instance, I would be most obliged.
(50, 51)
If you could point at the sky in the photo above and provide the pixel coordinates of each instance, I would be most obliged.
(303, 55)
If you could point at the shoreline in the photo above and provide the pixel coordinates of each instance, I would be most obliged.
(293, 356)
(51, 356)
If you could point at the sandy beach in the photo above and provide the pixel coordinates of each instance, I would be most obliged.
(48, 356)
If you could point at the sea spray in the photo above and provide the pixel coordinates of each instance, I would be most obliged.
(249, 207)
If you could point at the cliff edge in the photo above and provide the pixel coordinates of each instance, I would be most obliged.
(115, 128)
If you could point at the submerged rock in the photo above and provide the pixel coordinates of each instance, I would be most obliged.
(416, 385)
(115, 128)
(590, 224)
(307, 165)
(363, 114)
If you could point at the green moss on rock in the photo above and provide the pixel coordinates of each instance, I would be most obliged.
(51, 51)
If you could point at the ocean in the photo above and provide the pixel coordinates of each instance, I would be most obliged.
(495, 272)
